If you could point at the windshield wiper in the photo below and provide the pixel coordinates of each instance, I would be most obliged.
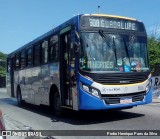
(126, 49)
(131, 41)
(114, 49)
(105, 38)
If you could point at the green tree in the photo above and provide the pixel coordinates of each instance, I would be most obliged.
(154, 52)
(3, 58)
(2, 71)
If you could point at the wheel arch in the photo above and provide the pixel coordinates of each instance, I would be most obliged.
(52, 92)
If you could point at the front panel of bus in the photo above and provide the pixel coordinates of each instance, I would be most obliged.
(113, 63)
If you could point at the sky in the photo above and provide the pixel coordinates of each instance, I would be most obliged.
(24, 20)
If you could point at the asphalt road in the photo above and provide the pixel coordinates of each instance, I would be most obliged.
(31, 117)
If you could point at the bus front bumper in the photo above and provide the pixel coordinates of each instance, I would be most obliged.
(89, 102)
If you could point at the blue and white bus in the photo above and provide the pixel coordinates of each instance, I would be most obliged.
(90, 62)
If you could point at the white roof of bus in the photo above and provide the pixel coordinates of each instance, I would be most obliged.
(112, 16)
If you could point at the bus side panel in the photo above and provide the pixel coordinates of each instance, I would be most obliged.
(41, 84)
(28, 92)
(21, 83)
(8, 83)
(37, 85)
(16, 82)
(44, 77)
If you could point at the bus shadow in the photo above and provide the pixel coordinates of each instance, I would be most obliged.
(83, 117)
(77, 118)
(94, 117)
(9, 101)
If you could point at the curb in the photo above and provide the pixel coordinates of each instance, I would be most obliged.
(157, 100)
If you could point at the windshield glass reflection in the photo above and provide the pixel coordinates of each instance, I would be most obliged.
(113, 52)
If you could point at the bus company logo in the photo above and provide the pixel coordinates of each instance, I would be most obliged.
(110, 89)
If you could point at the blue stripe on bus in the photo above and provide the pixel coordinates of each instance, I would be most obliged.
(89, 102)
(84, 80)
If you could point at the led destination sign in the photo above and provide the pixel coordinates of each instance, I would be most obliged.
(111, 23)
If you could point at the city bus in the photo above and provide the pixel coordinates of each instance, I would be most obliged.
(90, 62)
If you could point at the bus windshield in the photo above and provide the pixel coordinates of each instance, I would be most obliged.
(102, 52)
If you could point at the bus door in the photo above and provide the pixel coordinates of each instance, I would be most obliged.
(67, 67)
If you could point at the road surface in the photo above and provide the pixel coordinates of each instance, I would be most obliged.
(31, 117)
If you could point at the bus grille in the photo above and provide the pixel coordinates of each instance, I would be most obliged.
(115, 98)
(121, 79)
(118, 78)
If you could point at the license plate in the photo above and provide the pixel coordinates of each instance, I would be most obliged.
(125, 100)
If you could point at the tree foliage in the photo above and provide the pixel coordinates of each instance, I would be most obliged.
(154, 52)
(2, 71)
(3, 58)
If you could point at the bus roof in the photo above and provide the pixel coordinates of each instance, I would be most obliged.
(112, 16)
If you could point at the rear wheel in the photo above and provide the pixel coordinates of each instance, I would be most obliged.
(19, 98)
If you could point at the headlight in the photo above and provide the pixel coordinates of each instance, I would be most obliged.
(148, 87)
(85, 88)
(91, 90)
(95, 92)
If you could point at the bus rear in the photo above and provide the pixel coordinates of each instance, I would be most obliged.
(113, 63)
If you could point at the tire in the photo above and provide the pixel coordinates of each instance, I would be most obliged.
(57, 105)
(19, 98)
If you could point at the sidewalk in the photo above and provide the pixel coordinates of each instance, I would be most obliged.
(156, 100)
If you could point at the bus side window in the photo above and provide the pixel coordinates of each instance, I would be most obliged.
(53, 49)
(17, 63)
(53, 52)
(44, 52)
(22, 60)
(29, 58)
(37, 54)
